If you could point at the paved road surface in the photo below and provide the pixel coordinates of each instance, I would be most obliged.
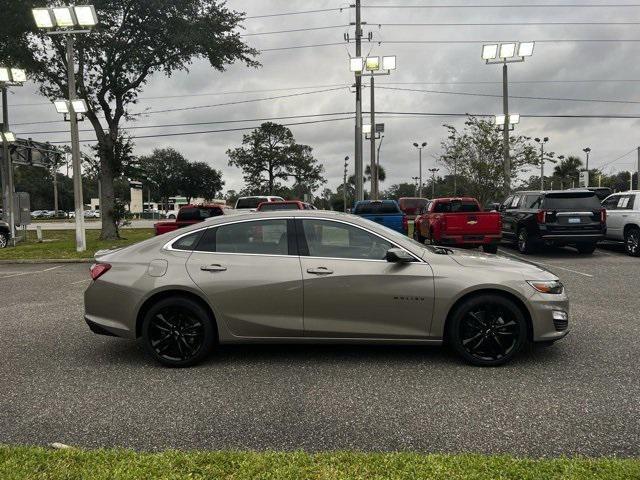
(61, 383)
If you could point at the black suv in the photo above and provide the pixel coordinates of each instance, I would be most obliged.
(564, 217)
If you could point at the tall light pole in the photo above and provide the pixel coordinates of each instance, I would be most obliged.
(378, 167)
(542, 142)
(587, 151)
(8, 77)
(415, 180)
(420, 147)
(359, 167)
(505, 53)
(65, 20)
(433, 181)
(344, 184)
(373, 67)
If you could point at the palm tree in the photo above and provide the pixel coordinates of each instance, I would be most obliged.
(382, 175)
(568, 169)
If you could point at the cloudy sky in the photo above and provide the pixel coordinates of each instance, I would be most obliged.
(559, 68)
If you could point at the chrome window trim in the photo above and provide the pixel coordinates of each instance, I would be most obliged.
(168, 246)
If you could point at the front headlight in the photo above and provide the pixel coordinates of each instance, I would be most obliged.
(547, 286)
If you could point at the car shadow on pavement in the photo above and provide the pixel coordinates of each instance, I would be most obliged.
(551, 253)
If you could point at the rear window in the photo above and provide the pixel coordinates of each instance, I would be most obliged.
(250, 202)
(195, 213)
(456, 207)
(375, 208)
(586, 201)
(278, 206)
(412, 202)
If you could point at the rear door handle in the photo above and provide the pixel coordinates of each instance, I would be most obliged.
(319, 271)
(213, 268)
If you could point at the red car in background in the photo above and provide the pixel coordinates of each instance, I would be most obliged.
(188, 215)
(458, 222)
(284, 205)
(412, 206)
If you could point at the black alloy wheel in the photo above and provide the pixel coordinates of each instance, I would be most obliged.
(524, 244)
(178, 332)
(488, 330)
(632, 241)
(4, 239)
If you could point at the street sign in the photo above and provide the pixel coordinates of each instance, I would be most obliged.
(584, 178)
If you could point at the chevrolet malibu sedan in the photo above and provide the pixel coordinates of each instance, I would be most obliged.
(318, 277)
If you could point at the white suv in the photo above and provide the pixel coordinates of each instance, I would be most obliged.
(623, 219)
(251, 203)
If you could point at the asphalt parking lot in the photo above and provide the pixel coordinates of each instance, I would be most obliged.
(62, 383)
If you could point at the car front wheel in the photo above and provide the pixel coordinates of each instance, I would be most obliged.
(487, 330)
(4, 239)
(178, 332)
(632, 241)
(524, 243)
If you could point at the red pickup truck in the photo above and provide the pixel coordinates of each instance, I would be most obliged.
(458, 222)
(188, 215)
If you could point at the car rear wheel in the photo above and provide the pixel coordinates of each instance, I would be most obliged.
(491, 248)
(524, 243)
(178, 332)
(632, 241)
(4, 239)
(586, 248)
(487, 330)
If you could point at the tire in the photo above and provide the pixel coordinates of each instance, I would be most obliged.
(490, 248)
(523, 242)
(632, 241)
(171, 217)
(178, 332)
(586, 248)
(4, 239)
(487, 330)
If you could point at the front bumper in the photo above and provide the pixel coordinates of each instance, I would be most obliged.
(545, 327)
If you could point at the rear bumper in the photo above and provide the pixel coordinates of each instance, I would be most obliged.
(572, 238)
(470, 239)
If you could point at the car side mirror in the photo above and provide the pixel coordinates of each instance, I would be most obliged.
(502, 208)
(398, 255)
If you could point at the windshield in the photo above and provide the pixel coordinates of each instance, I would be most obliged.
(456, 206)
(250, 202)
(278, 206)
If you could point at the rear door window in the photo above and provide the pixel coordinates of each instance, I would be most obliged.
(625, 202)
(263, 237)
(611, 203)
(338, 240)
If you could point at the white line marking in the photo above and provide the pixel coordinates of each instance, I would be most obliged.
(546, 264)
(31, 273)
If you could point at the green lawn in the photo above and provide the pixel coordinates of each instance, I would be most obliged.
(39, 463)
(59, 244)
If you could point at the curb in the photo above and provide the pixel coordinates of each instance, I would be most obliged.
(38, 261)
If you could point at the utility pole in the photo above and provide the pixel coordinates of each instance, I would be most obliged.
(542, 142)
(7, 171)
(638, 171)
(359, 171)
(55, 189)
(378, 166)
(433, 181)
(420, 147)
(344, 184)
(374, 169)
(505, 131)
(81, 242)
(587, 151)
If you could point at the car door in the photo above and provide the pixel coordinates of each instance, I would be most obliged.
(250, 272)
(351, 291)
(614, 217)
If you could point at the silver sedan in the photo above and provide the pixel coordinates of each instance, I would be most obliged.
(318, 277)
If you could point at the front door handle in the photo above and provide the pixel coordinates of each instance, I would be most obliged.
(213, 268)
(320, 271)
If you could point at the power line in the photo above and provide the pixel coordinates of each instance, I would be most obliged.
(166, 125)
(301, 12)
(197, 107)
(524, 97)
(221, 130)
(295, 30)
(496, 24)
(515, 5)
(612, 116)
(617, 158)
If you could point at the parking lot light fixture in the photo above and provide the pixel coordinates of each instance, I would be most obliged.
(507, 50)
(18, 75)
(500, 119)
(389, 63)
(525, 49)
(65, 17)
(79, 105)
(356, 64)
(366, 128)
(43, 17)
(490, 51)
(372, 64)
(86, 15)
(62, 106)
(5, 76)
(8, 137)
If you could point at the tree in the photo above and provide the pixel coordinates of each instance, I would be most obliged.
(164, 169)
(200, 180)
(382, 174)
(134, 40)
(400, 190)
(270, 155)
(475, 154)
(567, 170)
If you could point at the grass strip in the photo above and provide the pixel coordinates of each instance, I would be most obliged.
(22, 462)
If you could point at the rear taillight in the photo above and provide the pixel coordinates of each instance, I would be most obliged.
(541, 216)
(405, 224)
(99, 269)
(603, 216)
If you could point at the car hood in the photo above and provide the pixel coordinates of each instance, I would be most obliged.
(485, 261)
